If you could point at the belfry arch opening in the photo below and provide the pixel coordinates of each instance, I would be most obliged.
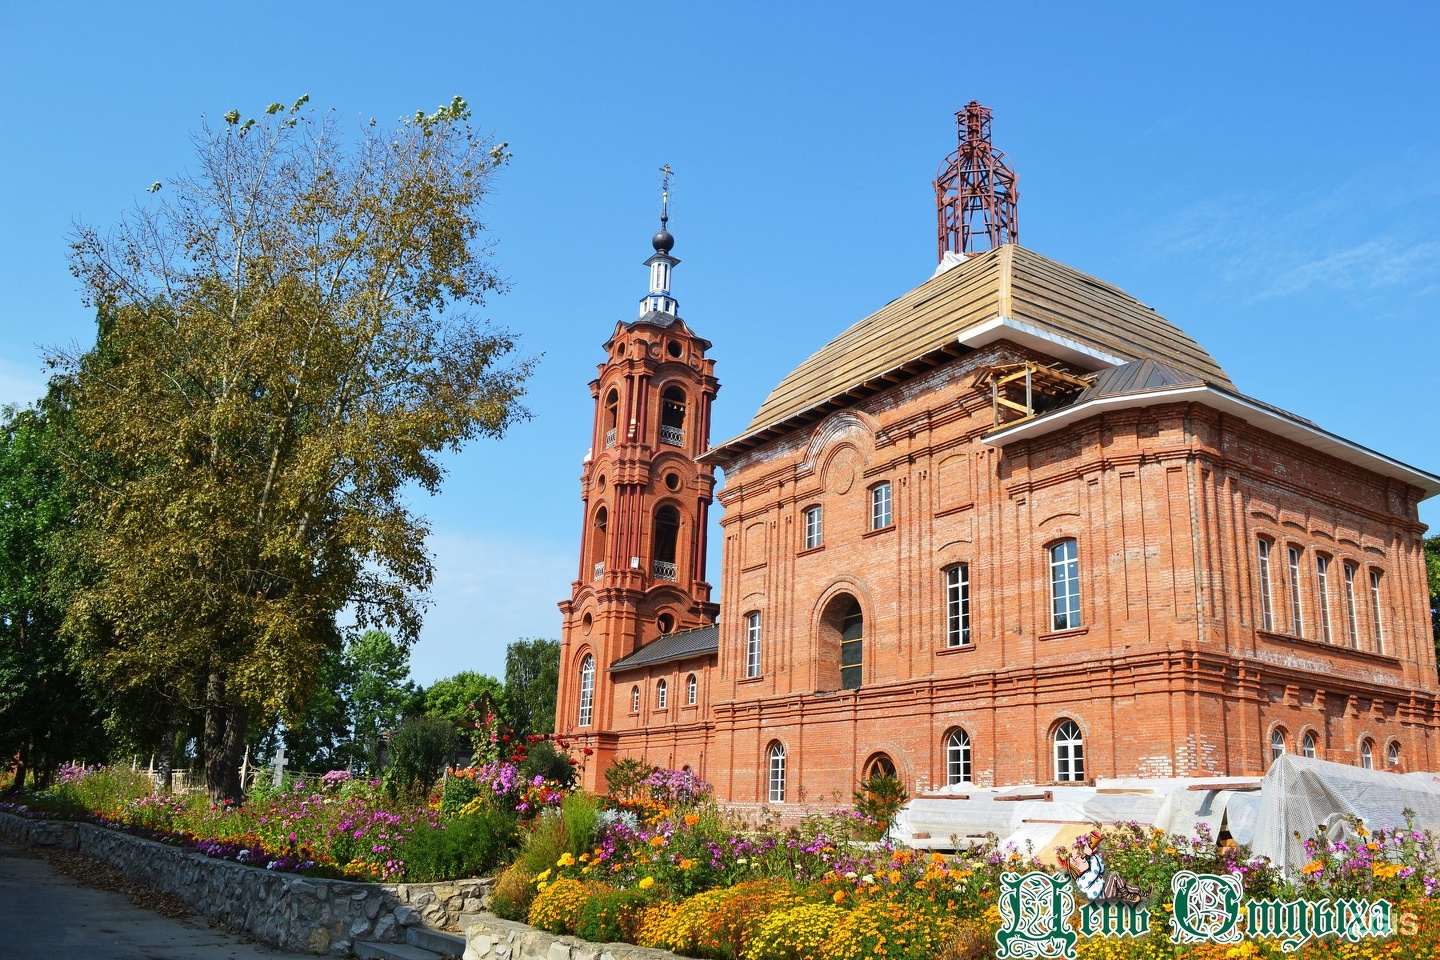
(672, 416)
(667, 535)
(598, 541)
(611, 417)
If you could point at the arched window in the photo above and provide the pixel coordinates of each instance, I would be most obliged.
(1064, 585)
(1392, 753)
(776, 755)
(1352, 621)
(635, 699)
(587, 689)
(814, 533)
(1069, 753)
(852, 647)
(612, 417)
(1267, 613)
(1377, 622)
(667, 532)
(598, 542)
(957, 757)
(752, 644)
(880, 515)
(1367, 754)
(879, 765)
(1307, 746)
(662, 695)
(1277, 744)
(692, 690)
(1322, 594)
(672, 417)
(1297, 616)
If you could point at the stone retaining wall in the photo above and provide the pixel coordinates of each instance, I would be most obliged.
(302, 914)
(490, 938)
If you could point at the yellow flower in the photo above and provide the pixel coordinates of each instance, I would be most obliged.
(646, 883)
(1313, 867)
(1362, 831)
(566, 860)
(686, 864)
(543, 875)
(839, 896)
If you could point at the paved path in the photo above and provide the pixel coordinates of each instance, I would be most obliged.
(44, 915)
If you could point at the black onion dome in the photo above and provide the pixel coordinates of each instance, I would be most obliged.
(662, 241)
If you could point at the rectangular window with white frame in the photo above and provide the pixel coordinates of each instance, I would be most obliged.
(752, 645)
(1377, 622)
(813, 531)
(1297, 617)
(880, 516)
(1322, 595)
(1267, 614)
(957, 605)
(1352, 621)
(1065, 585)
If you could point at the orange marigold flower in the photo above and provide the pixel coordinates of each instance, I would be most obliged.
(1312, 868)
(691, 819)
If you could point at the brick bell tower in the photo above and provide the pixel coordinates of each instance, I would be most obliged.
(645, 508)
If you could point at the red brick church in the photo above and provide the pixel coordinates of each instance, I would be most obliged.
(1014, 527)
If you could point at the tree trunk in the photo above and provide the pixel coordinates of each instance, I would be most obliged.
(165, 776)
(20, 767)
(233, 750)
(216, 715)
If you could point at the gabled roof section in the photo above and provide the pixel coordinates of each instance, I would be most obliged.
(671, 647)
(1009, 292)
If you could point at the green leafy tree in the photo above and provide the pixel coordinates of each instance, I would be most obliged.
(284, 351)
(376, 669)
(46, 716)
(322, 739)
(419, 750)
(456, 699)
(1432, 572)
(532, 682)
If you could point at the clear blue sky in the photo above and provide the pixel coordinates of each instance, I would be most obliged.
(1266, 175)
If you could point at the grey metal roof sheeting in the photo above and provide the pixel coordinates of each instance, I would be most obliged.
(671, 647)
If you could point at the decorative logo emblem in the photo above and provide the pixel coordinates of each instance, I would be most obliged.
(1035, 911)
(1207, 908)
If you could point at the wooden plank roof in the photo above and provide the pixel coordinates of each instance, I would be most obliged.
(1008, 282)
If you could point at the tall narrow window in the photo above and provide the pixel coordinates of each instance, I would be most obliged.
(1297, 618)
(957, 605)
(1322, 597)
(752, 644)
(662, 695)
(1064, 586)
(777, 772)
(1367, 754)
(880, 506)
(672, 417)
(1351, 620)
(1307, 746)
(612, 418)
(1277, 744)
(598, 542)
(957, 757)
(1377, 622)
(813, 532)
(1069, 753)
(1392, 753)
(692, 690)
(1267, 615)
(852, 647)
(587, 689)
(667, 532)
(635, 699)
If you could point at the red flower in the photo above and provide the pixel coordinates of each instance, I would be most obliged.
(588, 752)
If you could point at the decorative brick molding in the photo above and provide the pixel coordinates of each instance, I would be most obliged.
(300, 914)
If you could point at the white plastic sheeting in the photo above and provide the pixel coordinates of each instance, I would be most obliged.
(1300, 795)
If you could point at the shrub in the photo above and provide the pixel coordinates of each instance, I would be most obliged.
(580, 812)
(470, 846)
(418, 751)
(546, 842)
(678, 930)
(513, 893)
(886, 928)
(457, 792)
(542, 759)
(557, 904)
(625, 776)
(613, 916)
(655, 924)
(102, 790)
(797, 933)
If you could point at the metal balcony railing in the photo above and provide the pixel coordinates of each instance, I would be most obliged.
(663, 570)
(609, 438)
(674, 436)
(599, 570)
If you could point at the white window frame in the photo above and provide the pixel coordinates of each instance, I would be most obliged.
(1277, 744)
(1392, 753)
(1377, 619)
(881, 512)
(1307, 746)
(752, 645)
(1367, 755)
(662, 695)
(1069, 752)
(635, 699)
(1352, 621)
(1065, 585)
(957, 757)
(692, 690)
(814, 527)
(1297, 615)
(957, 605)
(587, 690)
(1267, 612)
(1322, 584)
(775, 765)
